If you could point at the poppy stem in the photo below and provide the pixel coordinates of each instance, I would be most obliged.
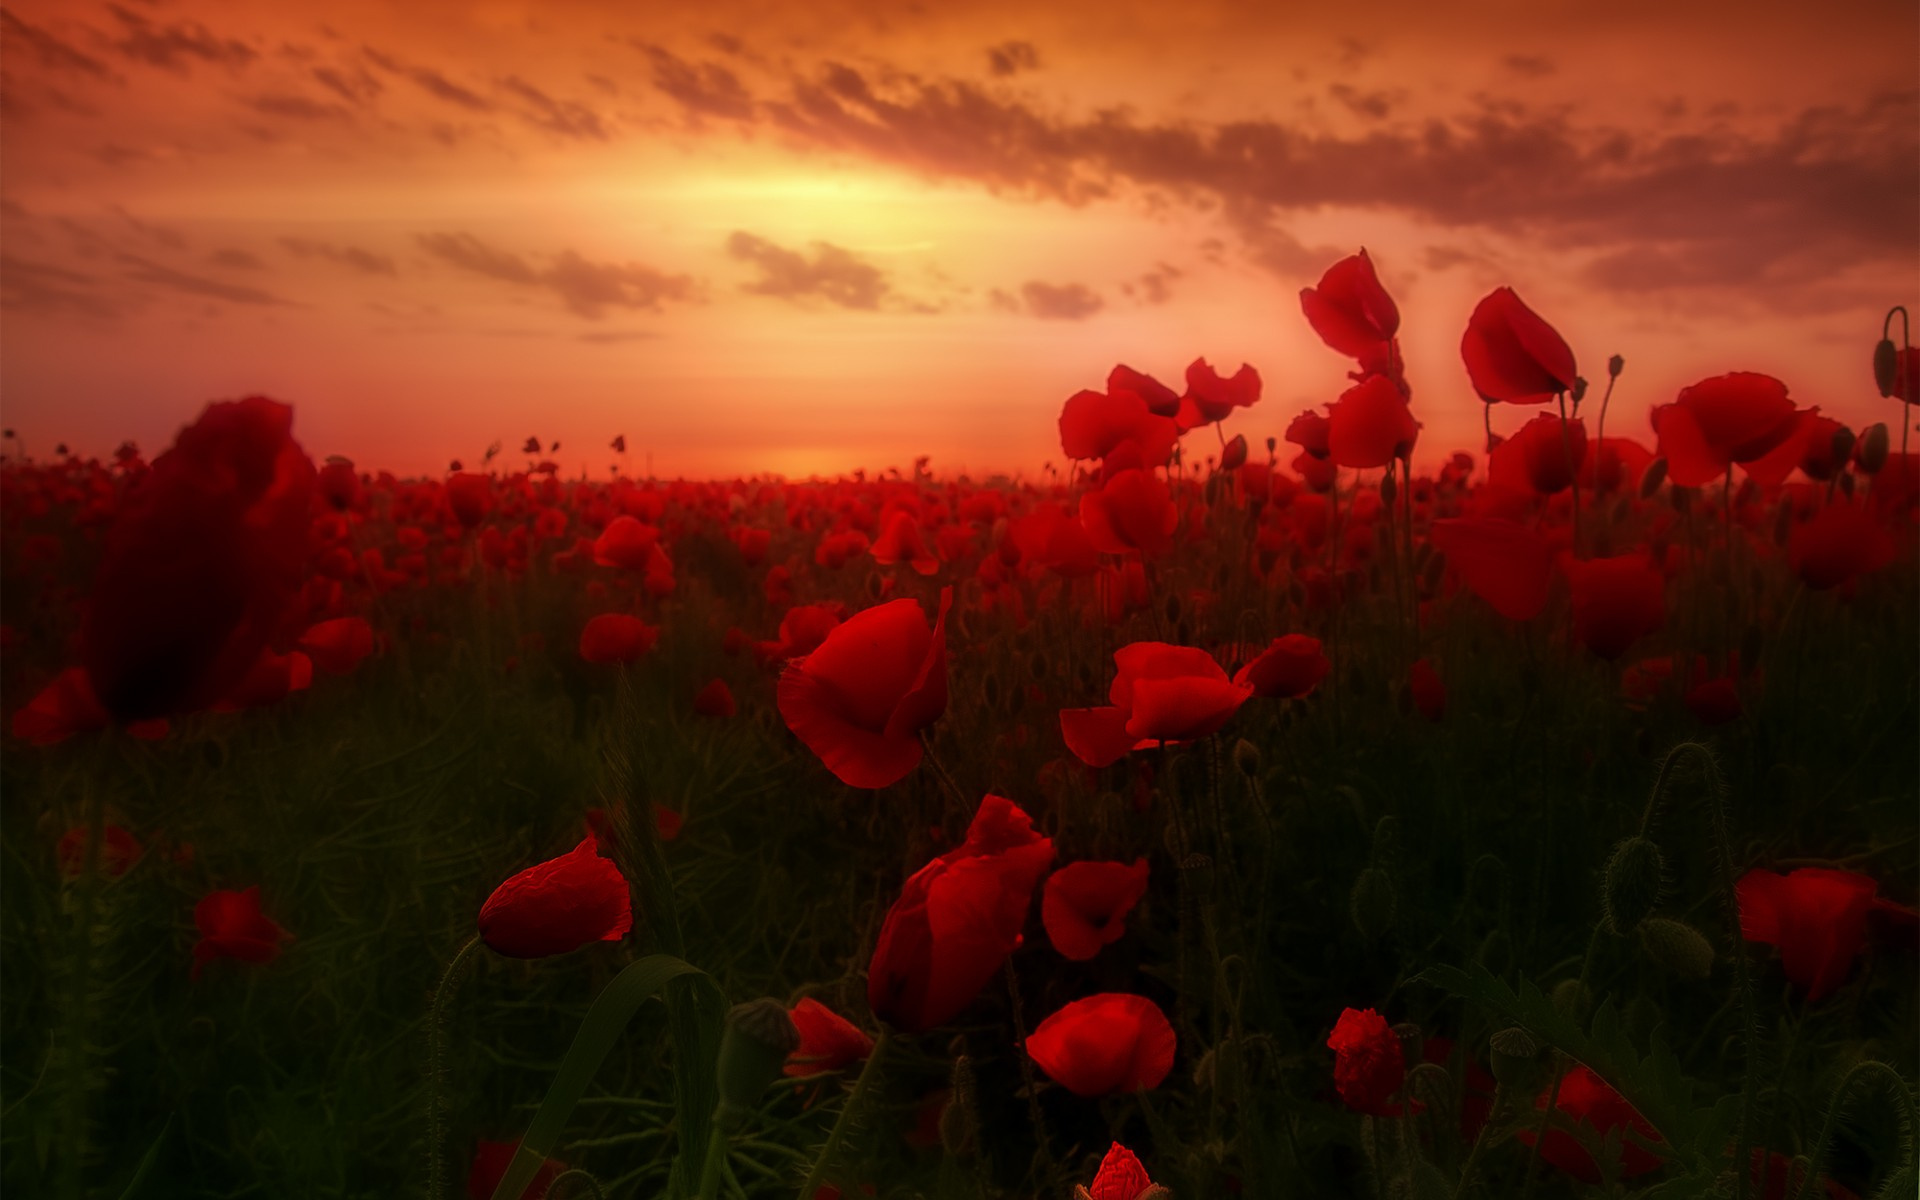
(946, 777)
(436, 1066)
(1480, 1141)
(1573, 471)
(869, 1071)
(74, 1095)
(1026, 1068)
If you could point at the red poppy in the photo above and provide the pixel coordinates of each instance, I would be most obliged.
(201, 564)
(1512, 355)
(1369, 1067)
(1370, 425)
(273, 678)
(490, 1163)
(1102, 424)
(1586, 1099)
(1817, 916)
(957, 920)
(625, 544)
(714, 700)
(67, 706)
(1234, 456)
(828, 1041)
(1120, 1177)
(231, 926)
(616, 638)
(339, 484)
(1429, 694)
(803, 628)
(1160, 693)
(1132, 512)
(1161, 400)
(861, 698)
(1613, 465)
(1289, 669)
(1842, 542)
(1349, 309)
(1775, 1176)
(667, 822)
(119, 850)
(1309, 431)
(1541, 458)
(337, 646)
(1210, 398)
(1715, 700)
(558, 905)
(901, 541)
(1056, 541)
(1616, 601)
(1734, 418)
(1502, 562)
(470, 496)
(1906, 375)
(1085, 905)
(1112, 1042)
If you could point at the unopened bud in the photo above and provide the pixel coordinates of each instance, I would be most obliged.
(959, 1129)
(1246, 757)
(1873, 448)
(1235, 455)
(1886, 367)
(1572, 998)
(1372, 904)
(759, 1036)
(1389, 489)
(1615, 365)
(1677, 946)
(1632, 888)
(1842, 446)
(1579, 388)
(1652, 478)
(1272, 444)
(1516, 1059)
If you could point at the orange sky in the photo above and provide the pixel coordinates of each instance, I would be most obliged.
(757, 236)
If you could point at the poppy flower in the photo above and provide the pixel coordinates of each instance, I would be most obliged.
(803, 628)
(957, 920)
(828, 1041)
(1369, 1067)
(1586, 1099)
(119, 850)
(68, 706)
(1502, 562)
(1309, 431)
(1544, 457)
(470, 497)
(232, 926)
(1160, 693)
(1429, 694)
(1817, 916)
(624, 544)
(1512, 355)
(1616, 601)
(202, 563)
(1120, 1177)
(667, 822)
(558, 906)
(1102, 424)
(1842, 542)
(1234, 456)
(490, 1163)
(860, 699)
(338, 646)
(1112, 1042)
(901, 542)
(1085, 905)
(1735, 418)
(1775, 1176)
(1289, 669)
(1370, 425)
(273, 678)
(714, 700)
(1613, 465)
(1210, 398)
(339, 484)
(1130, 513)
(1349, 309)
(616, 638)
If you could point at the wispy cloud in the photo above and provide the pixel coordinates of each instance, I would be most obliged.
(587, 288)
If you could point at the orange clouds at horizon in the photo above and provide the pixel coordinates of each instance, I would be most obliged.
(823, 245)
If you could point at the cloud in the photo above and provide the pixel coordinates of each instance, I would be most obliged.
(1010, 58)
(703, 90)
(236, 260)
(29, 286)
(614, 337)
(587, 288)
(172, 47)
(172, 239)
(1156, 286)
(144, 270)
(564, 117)
(49, 51)
(832, 274)
(430, 81)
(364, 261)
(1529, 66)
(1377, 104)
(298, 108)
(356, 86)
(1061, 302)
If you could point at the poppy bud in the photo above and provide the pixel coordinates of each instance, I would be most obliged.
(1873, 448)
(1235, 455)
(1389, 490)
(959, 1127)
(1516, 1059)
(1678, 947)
(1886, 364)
(1572, 998)
(1272, 444)
(1615, 365)
(1632, 884)
(758, 1038)
(1652, 478)
(1246, 757)
(1579, 388)
(1372, 904)
(1842, 444)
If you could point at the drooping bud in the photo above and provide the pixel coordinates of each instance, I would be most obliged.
(1886, 367)
(1235, 455)
(1632, 888)
(1579, 388)
(1389, 490)
(1678, 947)
(759, 1036)
(1873, 448)
(1842, 445)
(1615, 365)
(1372, 904)
(1516, 1059)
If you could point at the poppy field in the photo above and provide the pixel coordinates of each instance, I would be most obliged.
(1233, 808)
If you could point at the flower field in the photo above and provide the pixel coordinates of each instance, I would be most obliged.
(1233, 810)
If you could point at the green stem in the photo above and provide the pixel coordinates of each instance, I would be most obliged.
(1895, 1087)
(436, 1067)
(1480, 1141)
(74, 1093)
(716, 1160)
(1573, 472)
(869, 1071)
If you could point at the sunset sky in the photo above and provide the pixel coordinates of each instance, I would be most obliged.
(808, 238)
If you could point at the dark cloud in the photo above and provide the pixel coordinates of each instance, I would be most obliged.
(832, 274)
(297, 108)
(1376, 104)
(587, 288)
(174, 47)
(356, 85)
(1529, 66)
(143, 270)
(1010, 58)
(49, 51)
(703, 90)
(236, 260)
(564, 117)
(1156, 286)
(364, 261)
(160, 235)
(1061, 302)
(27, 286)
(430, 81)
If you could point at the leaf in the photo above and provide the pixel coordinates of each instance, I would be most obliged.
(612, 1010)
(146, 1162)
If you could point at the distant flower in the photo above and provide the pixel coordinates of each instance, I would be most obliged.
(1160, 693)
(232, 926)
(1085, 905)
(1291, 667)
(338, 646)
(1111, 1042)
(1816, 915)
(616, 638)
(1616, 601)
(1429, 694)
(714, 700)
(1369, 1068)
(119, 850)
(1503, 562)
(1734, 418)
(1586, 1099)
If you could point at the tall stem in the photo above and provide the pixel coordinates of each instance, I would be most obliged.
(869, 1071)
(79, 1005)
(1573, 471)
(436, 1067)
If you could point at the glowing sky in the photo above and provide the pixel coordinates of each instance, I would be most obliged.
(757, 236)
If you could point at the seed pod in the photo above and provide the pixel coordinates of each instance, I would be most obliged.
(1652, 478)
(1873, 448)
(1678, 947)
(1372, 904)
(1516, 1059)
(1632, 888)
(1886, 367)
